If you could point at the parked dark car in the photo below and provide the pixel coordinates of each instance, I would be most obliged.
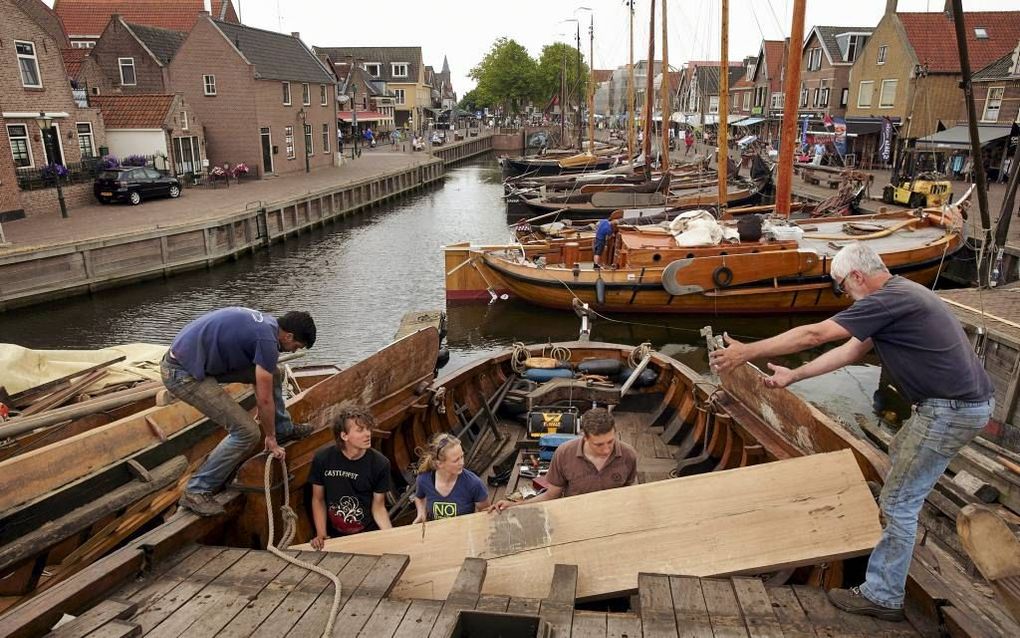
(133, 184)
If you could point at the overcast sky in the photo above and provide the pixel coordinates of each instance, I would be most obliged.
(464, 31)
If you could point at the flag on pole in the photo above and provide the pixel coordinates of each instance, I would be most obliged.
(827, 120)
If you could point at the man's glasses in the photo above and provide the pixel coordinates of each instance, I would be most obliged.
(839, 289)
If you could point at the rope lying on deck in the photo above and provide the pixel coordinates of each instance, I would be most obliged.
(289, 528)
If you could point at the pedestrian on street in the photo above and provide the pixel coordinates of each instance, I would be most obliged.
(235, 345)
(925, 351)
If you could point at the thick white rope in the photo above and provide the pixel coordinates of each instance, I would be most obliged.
(289, 528)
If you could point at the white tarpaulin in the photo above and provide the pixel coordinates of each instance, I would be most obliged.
(22, 368)
(700, 228)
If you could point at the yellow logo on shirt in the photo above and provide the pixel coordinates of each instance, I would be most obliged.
(443, 510)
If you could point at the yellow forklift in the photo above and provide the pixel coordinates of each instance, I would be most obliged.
(919, 185)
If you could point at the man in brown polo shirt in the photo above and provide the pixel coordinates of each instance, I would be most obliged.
(596, 461)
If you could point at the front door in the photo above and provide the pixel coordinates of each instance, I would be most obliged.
(51, 142)
(267, 150)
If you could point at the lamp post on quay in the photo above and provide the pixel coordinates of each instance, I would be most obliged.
(45, 123)
(305, 134)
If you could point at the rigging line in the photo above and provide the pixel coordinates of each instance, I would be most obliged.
(782, 31)
(754, 14)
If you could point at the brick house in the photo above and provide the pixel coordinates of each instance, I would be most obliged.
(828, 55)
(33, 80)
(85, 20)
(403, 73)
(130, 59)
(266, 100)
(909, 70)
(154, 125)
(366, 97)
(700, 103)
(742, 91)
(768, 98)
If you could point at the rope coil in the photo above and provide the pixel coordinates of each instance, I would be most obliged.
(289, 529)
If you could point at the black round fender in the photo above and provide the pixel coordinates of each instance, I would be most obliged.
(722, 277)
(600, 291)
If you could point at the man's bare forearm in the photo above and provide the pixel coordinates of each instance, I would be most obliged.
(792, 341)
(834, 359)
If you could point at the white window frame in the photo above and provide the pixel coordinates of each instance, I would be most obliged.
(980, 33)
(815, 59)
(804, 97)
(28, 144)
(399, 96)
(91, 138)
(378, 68)
(823, 94)
(34, 57)
(82, 44)
(323, 95)
(988, 101)
(777, 102)
(288, 142)
(209, 85)
(287, 96)
(325, 137)
(881, 94)
(883, 51)
(395, 65)
(844, 97)
(184, 120)
(134, 71)
(713, 103)
(860, 94)
(306, 94)
(747, 101)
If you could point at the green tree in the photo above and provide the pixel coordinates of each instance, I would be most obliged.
(505, 76)
(472, 102)
(550, 66)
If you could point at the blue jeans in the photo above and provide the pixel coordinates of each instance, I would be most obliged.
(920, 453)
(243, 434)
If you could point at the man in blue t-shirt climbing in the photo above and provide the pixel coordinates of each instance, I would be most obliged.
(603, 231)
(924, 349)
(234, 345)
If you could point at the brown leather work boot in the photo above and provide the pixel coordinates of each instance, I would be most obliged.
(854, 602)
(201, 503)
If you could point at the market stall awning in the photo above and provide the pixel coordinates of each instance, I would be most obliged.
(363, 116)
(749, 121)
(959, 137)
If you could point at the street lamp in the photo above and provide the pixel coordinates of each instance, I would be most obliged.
(305, 133)
(45, 123)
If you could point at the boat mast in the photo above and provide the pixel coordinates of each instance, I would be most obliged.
(580, 129)
(664, 93)
(649, 92)
(724, 105)
(980, 180)
(591, 86)
(630, 89)
(563, 98)
(788, 135)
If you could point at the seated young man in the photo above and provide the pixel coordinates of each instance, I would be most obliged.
(349, 480)
(593, 462)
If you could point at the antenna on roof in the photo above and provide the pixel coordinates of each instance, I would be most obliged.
(279, 17)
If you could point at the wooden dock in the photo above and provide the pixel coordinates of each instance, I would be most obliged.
(207, 591)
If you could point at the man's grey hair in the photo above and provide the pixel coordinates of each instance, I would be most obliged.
(856, 256)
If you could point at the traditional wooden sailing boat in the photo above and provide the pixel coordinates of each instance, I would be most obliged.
(680, 423)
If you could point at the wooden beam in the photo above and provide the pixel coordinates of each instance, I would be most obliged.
(994, 548)
(31, 394)
(760, 518)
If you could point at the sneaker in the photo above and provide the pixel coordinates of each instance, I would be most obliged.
(854, 602)
(201, 503)
(298, 432)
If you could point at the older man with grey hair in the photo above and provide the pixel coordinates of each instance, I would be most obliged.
(924, 349)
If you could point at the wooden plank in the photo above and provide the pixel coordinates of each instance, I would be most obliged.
(61, 396)
(169, 572)
(315, 617)
(94, 618)
(386, 618)
(300, 598)
(658, 618)
(419, 619)
(117, 629)
(723, 608)
(261, 606)
(362, 603)
(524, 606)
(557, 609)
(623, 626)
(19, 398)
(827, 620)
(994, 548)
(791, 615)
(801, 511)
(756, 607)
(36, 472)
(691, 614)
(589, 624)
(463, 595)
(156, 610)
(489, 602)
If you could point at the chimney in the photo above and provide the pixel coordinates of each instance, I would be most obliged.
(890, 6)
(295, 34)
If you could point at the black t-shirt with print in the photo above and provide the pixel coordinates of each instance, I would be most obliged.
(349, 488)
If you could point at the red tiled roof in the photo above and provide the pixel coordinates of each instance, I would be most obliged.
(73, 59)
(602, 75)
(774, 54)
(90, 17)
(933, 37)
(133, 111)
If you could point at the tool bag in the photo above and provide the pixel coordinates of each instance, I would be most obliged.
(552, 420)
(548, 443)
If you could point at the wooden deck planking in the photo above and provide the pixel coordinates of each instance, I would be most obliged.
(156, 609)
(212, 608)
(363, 601)
(386, 618)
(419, 619)
(759, 616)
(258, 610)
(557, 610)
(690, 612)
(658, 618)
(829, 621)
(93, 619)
(723, 608)
(169, 572)
(463, 595)
(792, 618)
(489, 602)
(299, 598)
(117, 629)
(623, 626)
(524, 606)
(589, 624)
(316, 614)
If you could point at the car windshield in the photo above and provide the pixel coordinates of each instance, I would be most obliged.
(109, 175)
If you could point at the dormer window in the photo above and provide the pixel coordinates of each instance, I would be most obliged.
(399, 69)
(373, 68)
(981, 33)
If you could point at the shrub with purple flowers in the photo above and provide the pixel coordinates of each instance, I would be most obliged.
(52, 171)
(108, 162)
(135, 160)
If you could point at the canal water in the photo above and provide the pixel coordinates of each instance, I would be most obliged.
(357, 277)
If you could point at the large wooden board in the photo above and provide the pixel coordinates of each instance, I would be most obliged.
(775, 515)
